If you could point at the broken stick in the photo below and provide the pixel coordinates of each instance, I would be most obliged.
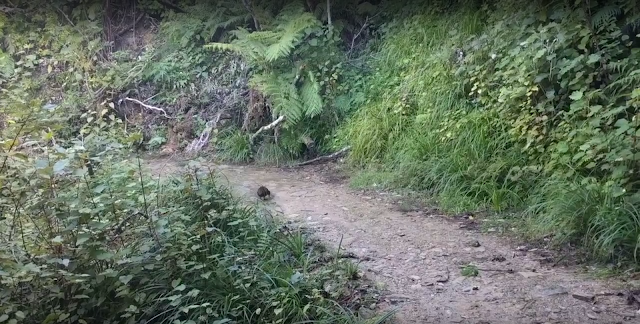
(148, 107)
(266, 127)
(326, 157)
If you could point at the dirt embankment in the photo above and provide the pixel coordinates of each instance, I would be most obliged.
(417, 256)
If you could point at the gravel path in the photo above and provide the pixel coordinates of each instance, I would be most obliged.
(416, 256)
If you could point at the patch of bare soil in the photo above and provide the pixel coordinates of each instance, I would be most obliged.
(416, 255)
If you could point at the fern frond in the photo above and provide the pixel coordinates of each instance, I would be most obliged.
(283, 95)
(343, 103)
(291, 9)
(265, 37)
(247, 46)
(625, 84)
(310, 95)
(271, 45)
(291, 33)
(293, 108)
(267, 83)
(234, 21)
(605, 16)
(634, 22)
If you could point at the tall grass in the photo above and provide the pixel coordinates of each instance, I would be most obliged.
(419, 130)
(437, 140)
(573, 210)
(234, 146)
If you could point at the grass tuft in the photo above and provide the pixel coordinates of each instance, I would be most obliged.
(234, 146)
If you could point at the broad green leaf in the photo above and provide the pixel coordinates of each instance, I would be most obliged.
(593, 58)
(104, 255)
(41, 163)
(125, 279)
(576, 95)
(562, 147)
(622, 125)
(222, 321)
(82, 238)
(59, 166)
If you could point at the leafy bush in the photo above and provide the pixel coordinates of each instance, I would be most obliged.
(567, 90)
(119, 246)
(299, 65)
(50, 65)
(531, 110)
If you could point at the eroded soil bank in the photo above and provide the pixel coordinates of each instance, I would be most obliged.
(416, 256)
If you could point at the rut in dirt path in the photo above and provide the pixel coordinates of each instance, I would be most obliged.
(417, 257)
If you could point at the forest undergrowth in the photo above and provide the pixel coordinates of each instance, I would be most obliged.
(87, 235)
(527, 113)
(525, 110)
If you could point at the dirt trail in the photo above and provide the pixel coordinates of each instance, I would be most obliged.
(417, 256)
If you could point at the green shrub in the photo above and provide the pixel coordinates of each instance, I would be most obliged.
(566, 89)
(539, 115)
(122, 247)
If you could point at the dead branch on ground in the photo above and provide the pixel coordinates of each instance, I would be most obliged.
(329, 157)
(266, 128)
(149, 107)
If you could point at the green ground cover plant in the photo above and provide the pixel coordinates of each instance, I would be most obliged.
(532, 110)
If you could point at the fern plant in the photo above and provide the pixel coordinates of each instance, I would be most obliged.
(274, 54)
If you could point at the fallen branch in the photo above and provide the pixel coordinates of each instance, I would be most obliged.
(9, 9)
(266, 128)
(326, 157)
(495, 270)
(148, 107)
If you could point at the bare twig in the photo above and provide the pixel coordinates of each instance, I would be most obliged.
(329, 12)
(149, 107)
(365, 24)
(124, 30)
(326, 157)
(495, 270)
(267, 127)
(9, 10)
(65, 16)
(353, 40)
(248, 5)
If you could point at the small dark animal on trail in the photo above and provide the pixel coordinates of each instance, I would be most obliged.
(263, 192)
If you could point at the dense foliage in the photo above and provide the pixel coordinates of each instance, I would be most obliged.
(122, 247)
(86, 235)
(513, 106)
(297, 60)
